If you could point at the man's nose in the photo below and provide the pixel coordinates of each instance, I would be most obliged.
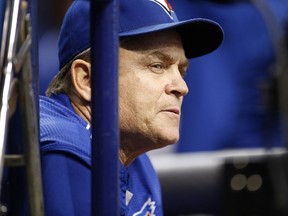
(177, 85)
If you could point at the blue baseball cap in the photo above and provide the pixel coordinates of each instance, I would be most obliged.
(137, 17)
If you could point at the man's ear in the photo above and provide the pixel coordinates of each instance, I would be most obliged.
(81, 78)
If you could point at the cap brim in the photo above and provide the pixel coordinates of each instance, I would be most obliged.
(199, 36)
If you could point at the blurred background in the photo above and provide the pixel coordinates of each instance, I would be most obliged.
(232, 101)
(50, 16)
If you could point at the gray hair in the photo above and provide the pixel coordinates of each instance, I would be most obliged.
(62, 81)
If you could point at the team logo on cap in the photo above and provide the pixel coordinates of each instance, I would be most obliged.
(166, 6)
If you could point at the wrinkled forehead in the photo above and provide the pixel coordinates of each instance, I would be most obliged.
(154, 40)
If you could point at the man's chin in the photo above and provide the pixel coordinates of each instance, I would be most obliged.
(166, 142)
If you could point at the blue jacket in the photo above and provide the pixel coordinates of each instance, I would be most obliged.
(66, 167)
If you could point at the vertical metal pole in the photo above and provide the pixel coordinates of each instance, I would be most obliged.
(105, 131)
(8, 73)
(33, 10)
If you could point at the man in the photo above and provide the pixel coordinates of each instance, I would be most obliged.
(152, 62)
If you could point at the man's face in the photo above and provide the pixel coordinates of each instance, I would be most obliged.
(151, 89)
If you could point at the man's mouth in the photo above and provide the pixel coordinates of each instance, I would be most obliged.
(173, 110)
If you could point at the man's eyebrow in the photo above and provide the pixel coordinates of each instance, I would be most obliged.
(162, 56)
(185, 63)
(166, 57)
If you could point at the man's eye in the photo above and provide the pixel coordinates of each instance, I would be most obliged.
(157, 67)
(182, 72)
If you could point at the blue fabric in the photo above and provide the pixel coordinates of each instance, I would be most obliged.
(225, 108)
(66, 167)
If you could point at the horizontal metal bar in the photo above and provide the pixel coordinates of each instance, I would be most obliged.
(14, 160)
